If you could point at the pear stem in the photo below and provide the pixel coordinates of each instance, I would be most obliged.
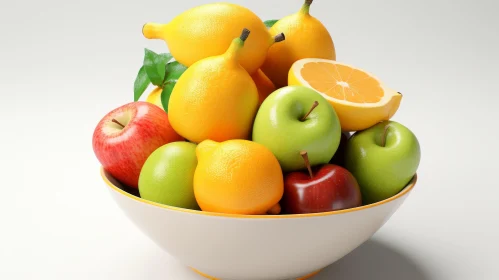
(316, 103)
(306, 6)
(383, 138)
(244, 34)
(117, 122)
(279, 37)
(307, 163)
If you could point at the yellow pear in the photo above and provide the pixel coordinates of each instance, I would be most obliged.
(306, 37)
(208, 29)
(215, 98)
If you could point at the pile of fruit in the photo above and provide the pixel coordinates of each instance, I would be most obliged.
(255, 117)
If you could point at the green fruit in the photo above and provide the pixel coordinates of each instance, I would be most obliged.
(167, 175)
(383, 158)
(279, 125)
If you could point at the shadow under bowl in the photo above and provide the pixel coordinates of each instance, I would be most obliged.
(257, 247)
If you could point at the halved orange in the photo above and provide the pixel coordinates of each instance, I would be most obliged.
(359, 98)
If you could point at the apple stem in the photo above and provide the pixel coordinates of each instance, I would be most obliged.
(316, 103)
(117, 122)
(307, 163)
(385, 132)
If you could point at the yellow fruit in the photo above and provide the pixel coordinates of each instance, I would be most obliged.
(208, 29)
(237, 177)
(306, 37)
(154, 97)
(215, 98)
(359, 98)
(263, 84)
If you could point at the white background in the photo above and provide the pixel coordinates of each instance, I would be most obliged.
(64, 64)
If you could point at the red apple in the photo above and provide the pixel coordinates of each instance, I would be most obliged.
(127, 135)
(327, 187)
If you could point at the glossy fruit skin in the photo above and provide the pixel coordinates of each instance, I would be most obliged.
(278, 127)
(237, 177)
(306, 37)
(207, 30)
(332, 188)
(122, 152)
(263, 84)
(214, 99)
(167, 175)
(383, 171)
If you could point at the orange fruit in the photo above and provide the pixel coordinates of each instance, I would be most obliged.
(237, 177)
(359, 98)
(263, 84)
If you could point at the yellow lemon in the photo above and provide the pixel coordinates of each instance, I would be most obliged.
(154, 97)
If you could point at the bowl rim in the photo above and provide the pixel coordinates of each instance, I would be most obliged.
(113, 187)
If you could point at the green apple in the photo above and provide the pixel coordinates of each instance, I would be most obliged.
(383, 158)
(167, 175)
(293, 119)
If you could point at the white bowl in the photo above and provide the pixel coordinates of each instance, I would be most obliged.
(262, 247)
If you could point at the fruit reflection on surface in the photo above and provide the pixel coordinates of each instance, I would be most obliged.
(237, 177)
(358, 97)
(289, 121)
(207, 30)
(126, 136)
(323, 188)
(215, 98)
(383, 158)
(167, 175)
(306, 37)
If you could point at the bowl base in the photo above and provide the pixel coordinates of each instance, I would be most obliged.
(308, 276)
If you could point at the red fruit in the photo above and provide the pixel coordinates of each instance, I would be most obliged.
(330, 187)
(126, 136)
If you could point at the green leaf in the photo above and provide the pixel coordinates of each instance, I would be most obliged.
(162, 62)
(155, 64)
(141, 83)
(269, 23)
(166, 93)
(174, 70)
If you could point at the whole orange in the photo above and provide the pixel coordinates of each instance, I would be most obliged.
(237, 177)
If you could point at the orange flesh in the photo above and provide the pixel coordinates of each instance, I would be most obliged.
(342, 82)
